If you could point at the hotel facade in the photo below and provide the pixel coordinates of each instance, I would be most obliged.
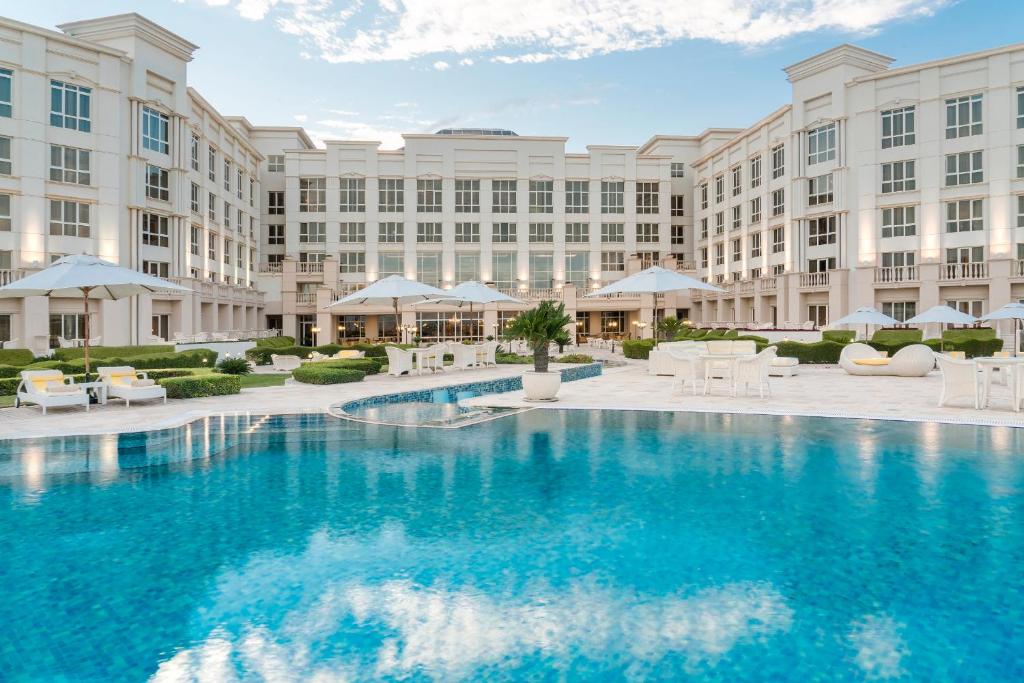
(896, 188)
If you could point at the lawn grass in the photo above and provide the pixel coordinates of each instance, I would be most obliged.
(253, 381)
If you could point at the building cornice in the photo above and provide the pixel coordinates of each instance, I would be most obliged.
(131, 25)
(63, 38)
(224, 122)
(774, 116)
(947, 61)
(844, 54)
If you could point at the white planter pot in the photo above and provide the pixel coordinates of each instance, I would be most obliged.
(541, 386)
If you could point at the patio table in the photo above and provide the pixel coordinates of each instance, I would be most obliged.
(1012, 366)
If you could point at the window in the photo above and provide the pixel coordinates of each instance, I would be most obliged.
(755, 172)
(353, 194)
(541, 267)
(157, 183)
(542, 196)
(155, 232)
(467, 267)
(1020, 103)
(737, 180)
(194, 152)
(70, 165)
(647, 233)
(227, 215)
(5, 213)
(428, 269)
(737, 217)
(239, 177)
(613, 232)
(5, 156)
(897, 127)
(778, 201)
(899, 221)
(778, 240)
(194, 199)
(69, 106)
(195, 240)
(68, 218)
(503, 269)
(577, 196)
(819, 190)
(678, 235)
(755, 273)
(677, 169)
(211, 247)
(818, 314)
(275, 235)
(312, 233)
(312, 194)
(428, 195)
(503, 232)
(647, 197)
(391, 233)
(965, 255)
(821, 231)
(211, 206)
(898, 177)
(154, 130)
(613, 261)
(964, 215)
(211, 163)
(577, 233)
(755, 210)
(428, 232)
(703, 195)
(275, 202)
(720, 254)
(227, 174)
(1020, 215)
(778, 161)
(704, 257)
(612, 200)
(1020, 161)
(678, 204)
(719, 189)
(275, 163)
(821, 144)
(227, 252)
(391, 264)
(821, 265)
(503, 196)
(352, 262)
(467, 196)
(703, 228)
(719, 222)
(901, 310)
(542, 232)
(6, 79)
(252, 191)
(737, 250)
(156, 268)
(352, 232)
(467, 233)
(390, 195)
(963, 116)
(577, 268)
(755, 244)
(963, 168)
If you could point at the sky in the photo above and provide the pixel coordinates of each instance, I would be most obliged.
(597, 71)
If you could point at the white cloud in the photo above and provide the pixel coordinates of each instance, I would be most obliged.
(535, 31)
(466, 62)
(301, 118)
(348, 129)
(441, 65)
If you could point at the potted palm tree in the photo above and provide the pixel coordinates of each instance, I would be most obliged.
(539, 327)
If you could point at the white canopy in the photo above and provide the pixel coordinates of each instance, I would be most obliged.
(654, 280)
(943, 314)
(866, 316)
(394, 289)
(1012, 311)
(81, 275)
(469, 293)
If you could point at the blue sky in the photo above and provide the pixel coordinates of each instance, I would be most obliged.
(615, 72)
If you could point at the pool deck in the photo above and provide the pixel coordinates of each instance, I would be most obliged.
(815, 391)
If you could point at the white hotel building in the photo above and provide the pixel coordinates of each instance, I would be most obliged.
(899, 188)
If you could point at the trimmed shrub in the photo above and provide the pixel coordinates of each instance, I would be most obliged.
(276, 342)
(822, 352)
(637, 348)
(197, 386)
(184, 359)
(369, 366)
(731, 334)
(234, 366)
(165, 374)
(13, 370)
(323, 373)
(575, 358)
(897, 335)
(48, 364)
(839, 336)
(760, 341)
(973, 348)
(513, 359)
(102, 352)
(16, 356)
(968, 333)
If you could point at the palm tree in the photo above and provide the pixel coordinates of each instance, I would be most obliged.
(670, 327)
(539, 327)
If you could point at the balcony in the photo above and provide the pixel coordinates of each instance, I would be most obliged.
(894, 275)
(767, 284)
(814, 280)
(8, 276)
(309, 267)
(271, 267)
(1018, 268)
(540, 294)
(747, 287)
(305, 298)
(963, 271)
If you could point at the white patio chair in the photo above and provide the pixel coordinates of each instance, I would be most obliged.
(754, 370)
(49, 389)
(124, 382)
(433, 359)
(688, 367)
(66, 343)
(399, 361)
(464, 356)
(960, 379)
(490, 350)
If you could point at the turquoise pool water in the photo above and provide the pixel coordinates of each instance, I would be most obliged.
(547, 545)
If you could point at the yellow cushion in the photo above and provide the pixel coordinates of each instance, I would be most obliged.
(123, 379)
(871, 361)
(40, 382)
(347, 354)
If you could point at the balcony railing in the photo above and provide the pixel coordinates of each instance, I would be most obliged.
(896, 274)
(305, 298)
(963, 271)
(9, 276)
(747, 287)
(812, 280)
(271, 267)
(310, 267)
(1018, 268)
(533, 294)
(767, 284)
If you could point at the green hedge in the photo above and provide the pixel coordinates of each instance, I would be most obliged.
(322, 373)
(513, 359)
(183, 359)
(823, 352)
(839, 336)
(98, 352)
(637, 348)
(14, 370)
(260, 355)
(974, 348)
(276, 342)
(368, 366)
(575, 358)
(892, 347)
(197, 386)
(968, 333)
(16, 356)
(897, 335)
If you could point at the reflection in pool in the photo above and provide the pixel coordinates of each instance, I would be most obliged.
(554, 544)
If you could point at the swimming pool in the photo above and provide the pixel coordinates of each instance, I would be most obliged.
(546, 544)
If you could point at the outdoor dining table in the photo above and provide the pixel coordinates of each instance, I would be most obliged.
(709, 358)
(419, 356)
(1012, 366)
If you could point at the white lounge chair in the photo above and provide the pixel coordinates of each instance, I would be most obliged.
(348, 354)
(124, 382)
(316, 356)
(285, 363)
(916, 360)
(463, 356)
(399, 361)
(960, 379)
(49, 389)
(754, 370)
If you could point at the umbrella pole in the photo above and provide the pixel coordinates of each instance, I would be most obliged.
(398, 334)
(85, 330)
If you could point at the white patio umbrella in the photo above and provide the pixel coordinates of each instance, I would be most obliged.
(943, 315)
(469, 293)
(1012, 311)
(654, 280)
(394, 290)
(866, 316)
(89, 277)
